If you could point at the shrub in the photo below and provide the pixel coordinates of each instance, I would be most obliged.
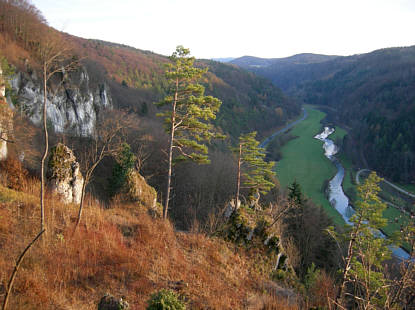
(14, 174)
(165, 300)
(125, 162)
(60, 161)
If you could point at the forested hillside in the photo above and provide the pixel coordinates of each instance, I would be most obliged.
(373, 94)
(289, 72)
(110, 201)
(135, 81)
(136, 77)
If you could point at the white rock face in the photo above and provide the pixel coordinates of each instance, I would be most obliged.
(3, 150)
(6, 116)
(64, 176)
(2, 84)
(72, 108)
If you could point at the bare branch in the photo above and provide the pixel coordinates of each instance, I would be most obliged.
(16, 268)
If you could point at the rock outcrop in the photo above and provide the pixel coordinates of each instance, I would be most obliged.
(109, 302)
(6, 119)
(72, 108)
(2, 84)
(254, 227)
(64, 176)
(136, 189)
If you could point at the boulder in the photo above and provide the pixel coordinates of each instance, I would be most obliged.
(64, 176)
(230, 208)
(109, 302)
(136, 189)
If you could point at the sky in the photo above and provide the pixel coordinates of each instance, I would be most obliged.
(234, 28)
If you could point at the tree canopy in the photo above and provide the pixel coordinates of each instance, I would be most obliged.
(187, 119)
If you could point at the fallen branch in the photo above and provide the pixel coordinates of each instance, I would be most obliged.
(16, 268)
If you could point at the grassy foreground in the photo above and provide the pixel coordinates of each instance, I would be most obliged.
(126, 252)
(303, 160)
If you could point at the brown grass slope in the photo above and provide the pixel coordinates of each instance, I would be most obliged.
(124, 251)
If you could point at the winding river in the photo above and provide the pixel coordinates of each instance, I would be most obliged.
(337, 197)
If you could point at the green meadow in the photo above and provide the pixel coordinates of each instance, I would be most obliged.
(303, 160)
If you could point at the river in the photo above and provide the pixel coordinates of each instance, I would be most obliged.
(337, 197)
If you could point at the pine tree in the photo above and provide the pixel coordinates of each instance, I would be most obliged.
(295, 196)
(367, 250)
(187, 121)
(257, 173)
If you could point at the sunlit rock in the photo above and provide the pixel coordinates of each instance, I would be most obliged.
(72, 102)
(64, 176)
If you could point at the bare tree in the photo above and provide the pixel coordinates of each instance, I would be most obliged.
(106, 142)
(54, 57)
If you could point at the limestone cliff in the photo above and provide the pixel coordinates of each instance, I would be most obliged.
(73, 103)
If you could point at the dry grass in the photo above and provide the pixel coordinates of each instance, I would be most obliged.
(121, 250)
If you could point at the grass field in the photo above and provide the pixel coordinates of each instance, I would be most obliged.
(303, 160)
(339, 133)
(395, 218)
(408, 187)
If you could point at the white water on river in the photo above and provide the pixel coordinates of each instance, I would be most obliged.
(337, 197)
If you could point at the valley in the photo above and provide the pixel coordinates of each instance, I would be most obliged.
(135, 180)
(301, 159)
(372, 94)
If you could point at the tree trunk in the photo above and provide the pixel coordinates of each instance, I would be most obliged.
(88, 176)
(238, 178)
(45, 154)
(169, 172)
(347, 266)
(81, 203)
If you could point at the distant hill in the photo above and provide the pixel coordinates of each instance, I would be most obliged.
(285, 72)
(305, 58)
(373, 94)
(225, 59)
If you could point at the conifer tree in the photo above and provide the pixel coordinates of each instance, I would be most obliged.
(187, 120)
(257, 173)
(367, 250)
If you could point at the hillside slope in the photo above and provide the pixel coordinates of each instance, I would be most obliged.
(136, 79)
(131, 79)
(123, 251)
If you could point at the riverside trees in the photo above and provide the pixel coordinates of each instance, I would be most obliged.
(187, 118)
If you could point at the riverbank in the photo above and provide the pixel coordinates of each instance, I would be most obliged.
(336, 194)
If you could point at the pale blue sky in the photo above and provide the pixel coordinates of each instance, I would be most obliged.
(233, 28)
